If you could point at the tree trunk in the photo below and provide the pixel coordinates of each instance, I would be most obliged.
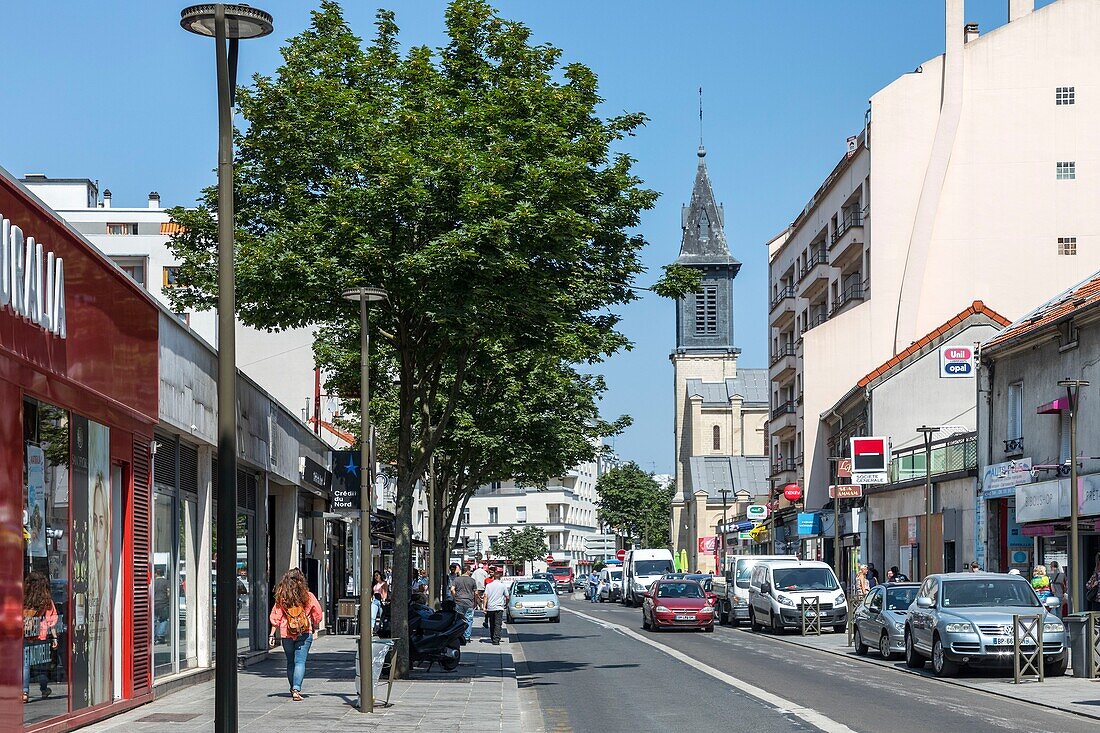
(402, 563)
(439, 539)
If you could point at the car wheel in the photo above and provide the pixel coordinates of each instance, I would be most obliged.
(840, 628)
(774, 624)
(941, 665)
(861, 648)
(884, 646)
(1057, 668)
(556, 620)
(752, 621)
(709, 629)
(645, 622)
(913, 659)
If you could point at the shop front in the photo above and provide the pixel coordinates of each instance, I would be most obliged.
(1042, 510)
(78, 376)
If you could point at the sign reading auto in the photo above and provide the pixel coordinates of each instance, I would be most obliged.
(32, 280)
(956, 362)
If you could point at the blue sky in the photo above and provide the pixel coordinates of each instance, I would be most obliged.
(116, 91)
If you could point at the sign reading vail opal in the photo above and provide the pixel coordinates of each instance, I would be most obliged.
(956, 362)
(32, 280)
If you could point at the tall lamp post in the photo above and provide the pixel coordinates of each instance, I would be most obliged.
(365, 296)
(1073, 389)
(226, 22)
(725, 492)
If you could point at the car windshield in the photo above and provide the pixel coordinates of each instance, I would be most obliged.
(561, 572)
(617, 575)
(532, 588)
(987, 593)
(899, 599)
(679, 590)
(800, 579)
(652, 567)
(703, 580)
(744, 572)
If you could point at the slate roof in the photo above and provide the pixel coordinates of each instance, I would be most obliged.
(1082, 296)
(751, 385)
(703, 224)
(734, 473)
(929, 340)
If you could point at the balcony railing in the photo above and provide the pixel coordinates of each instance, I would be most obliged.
(783, 294)
(849, 294)
(1014, 446)
(818, 256)
(814, 322)
(853, 218)
(951, 455)
(783, 464)
(784, 408)
(783, 351)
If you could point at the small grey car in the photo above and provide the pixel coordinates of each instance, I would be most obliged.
(966, 619)
(532, 599)
(880, 619)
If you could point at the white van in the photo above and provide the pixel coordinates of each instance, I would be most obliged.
(732, 587)
(779, 589)
(640, 569)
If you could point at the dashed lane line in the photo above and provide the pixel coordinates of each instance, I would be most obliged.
(808, 715)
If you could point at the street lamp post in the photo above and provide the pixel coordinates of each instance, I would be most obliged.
(365, 296)
(226, 22)
(1073, 389)
(725, 491)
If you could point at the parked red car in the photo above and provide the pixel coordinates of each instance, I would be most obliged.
(677, 604)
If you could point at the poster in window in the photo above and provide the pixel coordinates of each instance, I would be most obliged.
(36, 501)
(91, 512)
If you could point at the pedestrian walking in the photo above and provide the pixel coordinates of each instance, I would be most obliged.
(975, 567)
(496, 598)
(1040, 582)
(897, 575)
(453, 573)
(872, 575)
(464, 593)
(1092, 588)
(861, 587)
(380, 588)
(295, 615)
(593, 581)
(1059, 586)
(480, 575)
(39, 623)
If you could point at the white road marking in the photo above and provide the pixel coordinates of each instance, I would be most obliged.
(808, 715)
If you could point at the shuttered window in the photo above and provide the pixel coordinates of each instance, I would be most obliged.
(143, 582)
(1015, 427)
(706, 311)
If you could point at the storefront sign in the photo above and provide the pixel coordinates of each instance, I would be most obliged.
(956, 362)
(911, 530)
(708, 544)
(1000, 479)
(314, 474)
(346, 478)
(792, 492)
(844, 468)
(32, 280)
(809, 523)
(35, 521)
(845, 491)
(870, 459)
(757, 511)
(1043, 500)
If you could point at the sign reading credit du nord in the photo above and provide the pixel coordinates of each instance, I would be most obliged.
(32, 280)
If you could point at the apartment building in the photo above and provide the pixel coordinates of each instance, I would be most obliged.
(136, 239)
(971, 180)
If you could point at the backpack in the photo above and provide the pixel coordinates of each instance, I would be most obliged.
(297, 621)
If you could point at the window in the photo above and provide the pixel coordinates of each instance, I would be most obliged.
(1067, 245)
(128, 228)
(466, 515)
(171, 276)
(706, 311)
(184, 318)
(492, 515)
(132, 266)
(1065, 95)
(1065, 170)
(717, 436)
(704, 226)
(1015, 427)
(521, 514)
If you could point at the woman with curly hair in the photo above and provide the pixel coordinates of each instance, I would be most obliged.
(39, 622)
(296, 614)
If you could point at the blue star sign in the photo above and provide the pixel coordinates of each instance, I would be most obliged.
(351, 468)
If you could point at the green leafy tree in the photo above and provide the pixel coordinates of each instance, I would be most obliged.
(522, 546)
(632, 503)
(476, 183)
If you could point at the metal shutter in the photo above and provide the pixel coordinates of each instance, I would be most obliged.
(142, 535)
(189, 468)
(164, 463)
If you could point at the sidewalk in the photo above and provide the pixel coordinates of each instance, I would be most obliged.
(481, 695)
(1070, 694)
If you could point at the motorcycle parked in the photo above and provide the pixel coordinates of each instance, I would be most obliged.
(436, 636)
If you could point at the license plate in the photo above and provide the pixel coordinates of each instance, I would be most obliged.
(811, 614)
(685, 617)
(535, 610)
(1007, 641)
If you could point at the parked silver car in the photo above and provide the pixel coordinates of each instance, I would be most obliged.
(966, 619)
(532, 599)
(880, 619)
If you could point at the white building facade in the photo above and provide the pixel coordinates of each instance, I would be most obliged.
(972, 180)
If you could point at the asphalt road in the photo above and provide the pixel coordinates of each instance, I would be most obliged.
(605, 674)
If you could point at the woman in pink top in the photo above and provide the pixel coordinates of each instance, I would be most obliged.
(380, 589)
(295, 615)
(39, 622)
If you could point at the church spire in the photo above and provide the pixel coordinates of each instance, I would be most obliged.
(703, 220)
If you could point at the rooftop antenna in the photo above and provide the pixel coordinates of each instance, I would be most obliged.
(702, 151)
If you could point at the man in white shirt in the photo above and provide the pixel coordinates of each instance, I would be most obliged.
(479, 576)
(496, 598)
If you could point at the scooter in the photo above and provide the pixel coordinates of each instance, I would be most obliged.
(436, 638)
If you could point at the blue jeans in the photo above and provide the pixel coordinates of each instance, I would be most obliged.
(42, 679)
(296, 652)
(468, 614)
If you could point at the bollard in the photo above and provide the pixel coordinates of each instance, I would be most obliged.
(1027, 647)
(809, 612)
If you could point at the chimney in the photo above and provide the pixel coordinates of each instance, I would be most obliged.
(1019, 8)
(970, 32)
(107, 198)
(154, 200)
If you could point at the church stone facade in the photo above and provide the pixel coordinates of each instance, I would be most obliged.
(721, 410)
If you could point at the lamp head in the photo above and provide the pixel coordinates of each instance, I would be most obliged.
(241, 21)
(371, 295)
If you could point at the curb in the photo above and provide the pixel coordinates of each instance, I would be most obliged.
(916, 673)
